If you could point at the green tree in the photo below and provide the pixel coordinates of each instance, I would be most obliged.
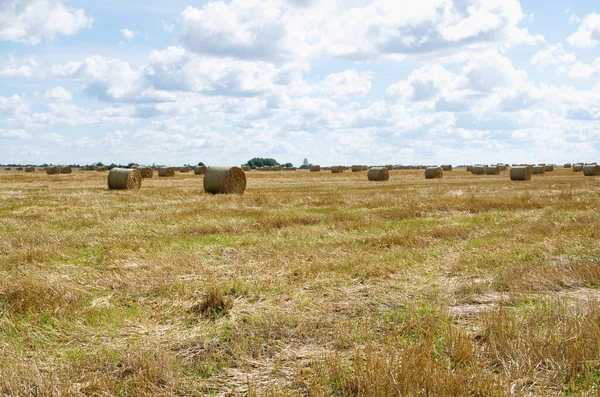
(258, 162)
(305, 164)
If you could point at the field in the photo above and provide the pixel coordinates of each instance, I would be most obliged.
(309, 284)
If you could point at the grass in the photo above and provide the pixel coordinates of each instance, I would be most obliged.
(308, 284)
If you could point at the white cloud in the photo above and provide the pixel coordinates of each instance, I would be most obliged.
(13, 105)
(31, 21)
(588, 33)
(59, 94)
(580, 70)
(553, 55)
(574, 19)
(349, 83)
(24, 67)
(14, 134)
(128, 34)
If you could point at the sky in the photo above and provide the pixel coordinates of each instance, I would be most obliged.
(335, 82)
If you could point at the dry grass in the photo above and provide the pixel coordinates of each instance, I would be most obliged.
(308, 284)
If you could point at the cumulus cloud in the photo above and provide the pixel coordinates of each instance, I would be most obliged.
(128, 34)
(14, 134)
(346, 84)
(59, 94)
(13, 105)
(31, 21)
(588, 33)
(19, 67)
(553, 55)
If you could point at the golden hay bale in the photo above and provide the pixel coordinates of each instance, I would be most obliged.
(201, 170)
(52, 170)
(124, 179)
(591, 170)
(433, 172)
(184, 169)
(469, 168)
(567, 165)
(225, 180)
(520, 173)
(446, 167)
(166, 171)
(102, 169)
(7, 169)
(538, 169)
(29, 169)
(315, 168)
(244, 168)
(337, 169)
(378, 174)
(577, 167)
(479, 169)
(549, 167)
(492, 170)
(146, 172)
(66, 170)
(357, 168)
(19, 168)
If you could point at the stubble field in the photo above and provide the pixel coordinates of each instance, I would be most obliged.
(309, 284)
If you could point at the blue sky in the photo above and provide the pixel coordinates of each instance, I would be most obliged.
(337, 82)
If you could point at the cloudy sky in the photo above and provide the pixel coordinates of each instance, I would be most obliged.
(334, 81)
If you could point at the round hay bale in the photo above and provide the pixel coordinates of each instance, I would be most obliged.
(389, 167)
(201, 169)
(146, 172)
(549, 167)
(66, 170)
(357, 168)
(446, 167)
(378, 174)
(225, 180)
(577, 167)
(276, 168)
(166, 171)
(520, 173)
(479, 169)
(19, 168)
(184, 169)
(469, 168)
(124, 179)
(52, 170)
(29, 169)
(102, 169)
(315, 168)
(567, 165)
(591, 170)
(433, 172)
(7, 169)
(492, 170)
(337, 169)
(538, 169)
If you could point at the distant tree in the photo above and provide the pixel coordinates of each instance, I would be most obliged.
(288, 165)
(305, 164)
(258, 162)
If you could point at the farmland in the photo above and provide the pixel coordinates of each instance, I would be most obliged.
(307, 284)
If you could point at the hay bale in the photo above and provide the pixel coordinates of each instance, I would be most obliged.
(102, 169)
(378, 174)
(538, 169)
(124, 179)
(577, 167)
(389, 167)
(549, 167)
(19, 168)
(7, 169)
(357, 168)
(591, 170)
(184, 169)
(52, 170)
(225, 180)
(520, 173)
(29, 169)
(492, 170)
(315, 168)
(146, 172)
(201, 169)
(479, 169)
(433, 172)
(166, 171)
(337, 169)
(567, 165)
(276, 168)
(469, 168)
(66, 170)
(446, 167)
(245, 168)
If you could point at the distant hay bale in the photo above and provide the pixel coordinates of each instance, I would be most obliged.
(446, 167)
(479, 169)
(66, 170)
(577, 167)
(357, 168)
(520, 173)
(184, 169)
(469, 168)
(337, 169)
(146, 172)
(7, 169)
(389, 167)
(315, 168)
(52, 170)
(503, 167)
(276, 168)
(166, 171)
(244, 168)
(492, 170)
(102, 169)
(225, 180)
(549, 167)
(538, 169)
(124, 179)
(433, 172)
(567, 165)
(591, 170)
(29, 169)
(378, 174)
(201, 169)
(19, 168)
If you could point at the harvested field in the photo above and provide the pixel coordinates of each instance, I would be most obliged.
(307, 284)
